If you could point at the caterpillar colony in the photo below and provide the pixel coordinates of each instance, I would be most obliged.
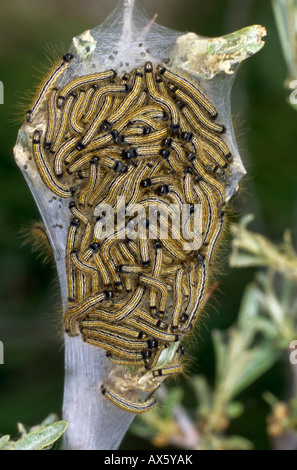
(153, 138)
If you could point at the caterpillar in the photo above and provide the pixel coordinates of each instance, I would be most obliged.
(126, 404)
(152, 139)
(45, 87)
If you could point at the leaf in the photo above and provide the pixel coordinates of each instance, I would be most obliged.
(243, 260)
(3, 441)
(262, 360)
(50, 419)
(221, 353)
(203, 394)
(237, 443)
(234, 409)
(269, 330)
(22, 429)
(249, 308)
(173, 398)
(141, 428)
(45, 437)
(270, 399)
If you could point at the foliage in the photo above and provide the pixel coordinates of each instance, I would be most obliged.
(41, 437)
(265, 327)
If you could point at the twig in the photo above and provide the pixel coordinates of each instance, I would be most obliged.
(288, 440)
(127, 22)
(189, 437)
(148, 27)
(94, 422)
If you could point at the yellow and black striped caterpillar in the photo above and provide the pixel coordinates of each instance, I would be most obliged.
(149, 139)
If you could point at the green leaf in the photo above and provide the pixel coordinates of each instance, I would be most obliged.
(285, 17)
(22, 429)
(263, 359)
(221, 353)
(141, 428)
(50, 419)
(270, 399)
(234, 409)
(203, 394)
(237, 443)
(45, 437)
(249, 308)
(173, 398)
(3, 441)
(268, 329)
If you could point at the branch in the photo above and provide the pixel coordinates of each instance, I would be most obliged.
(94, 422)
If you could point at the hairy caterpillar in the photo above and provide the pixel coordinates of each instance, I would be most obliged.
(151, 138)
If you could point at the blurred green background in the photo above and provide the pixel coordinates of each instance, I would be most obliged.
(31, 380)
